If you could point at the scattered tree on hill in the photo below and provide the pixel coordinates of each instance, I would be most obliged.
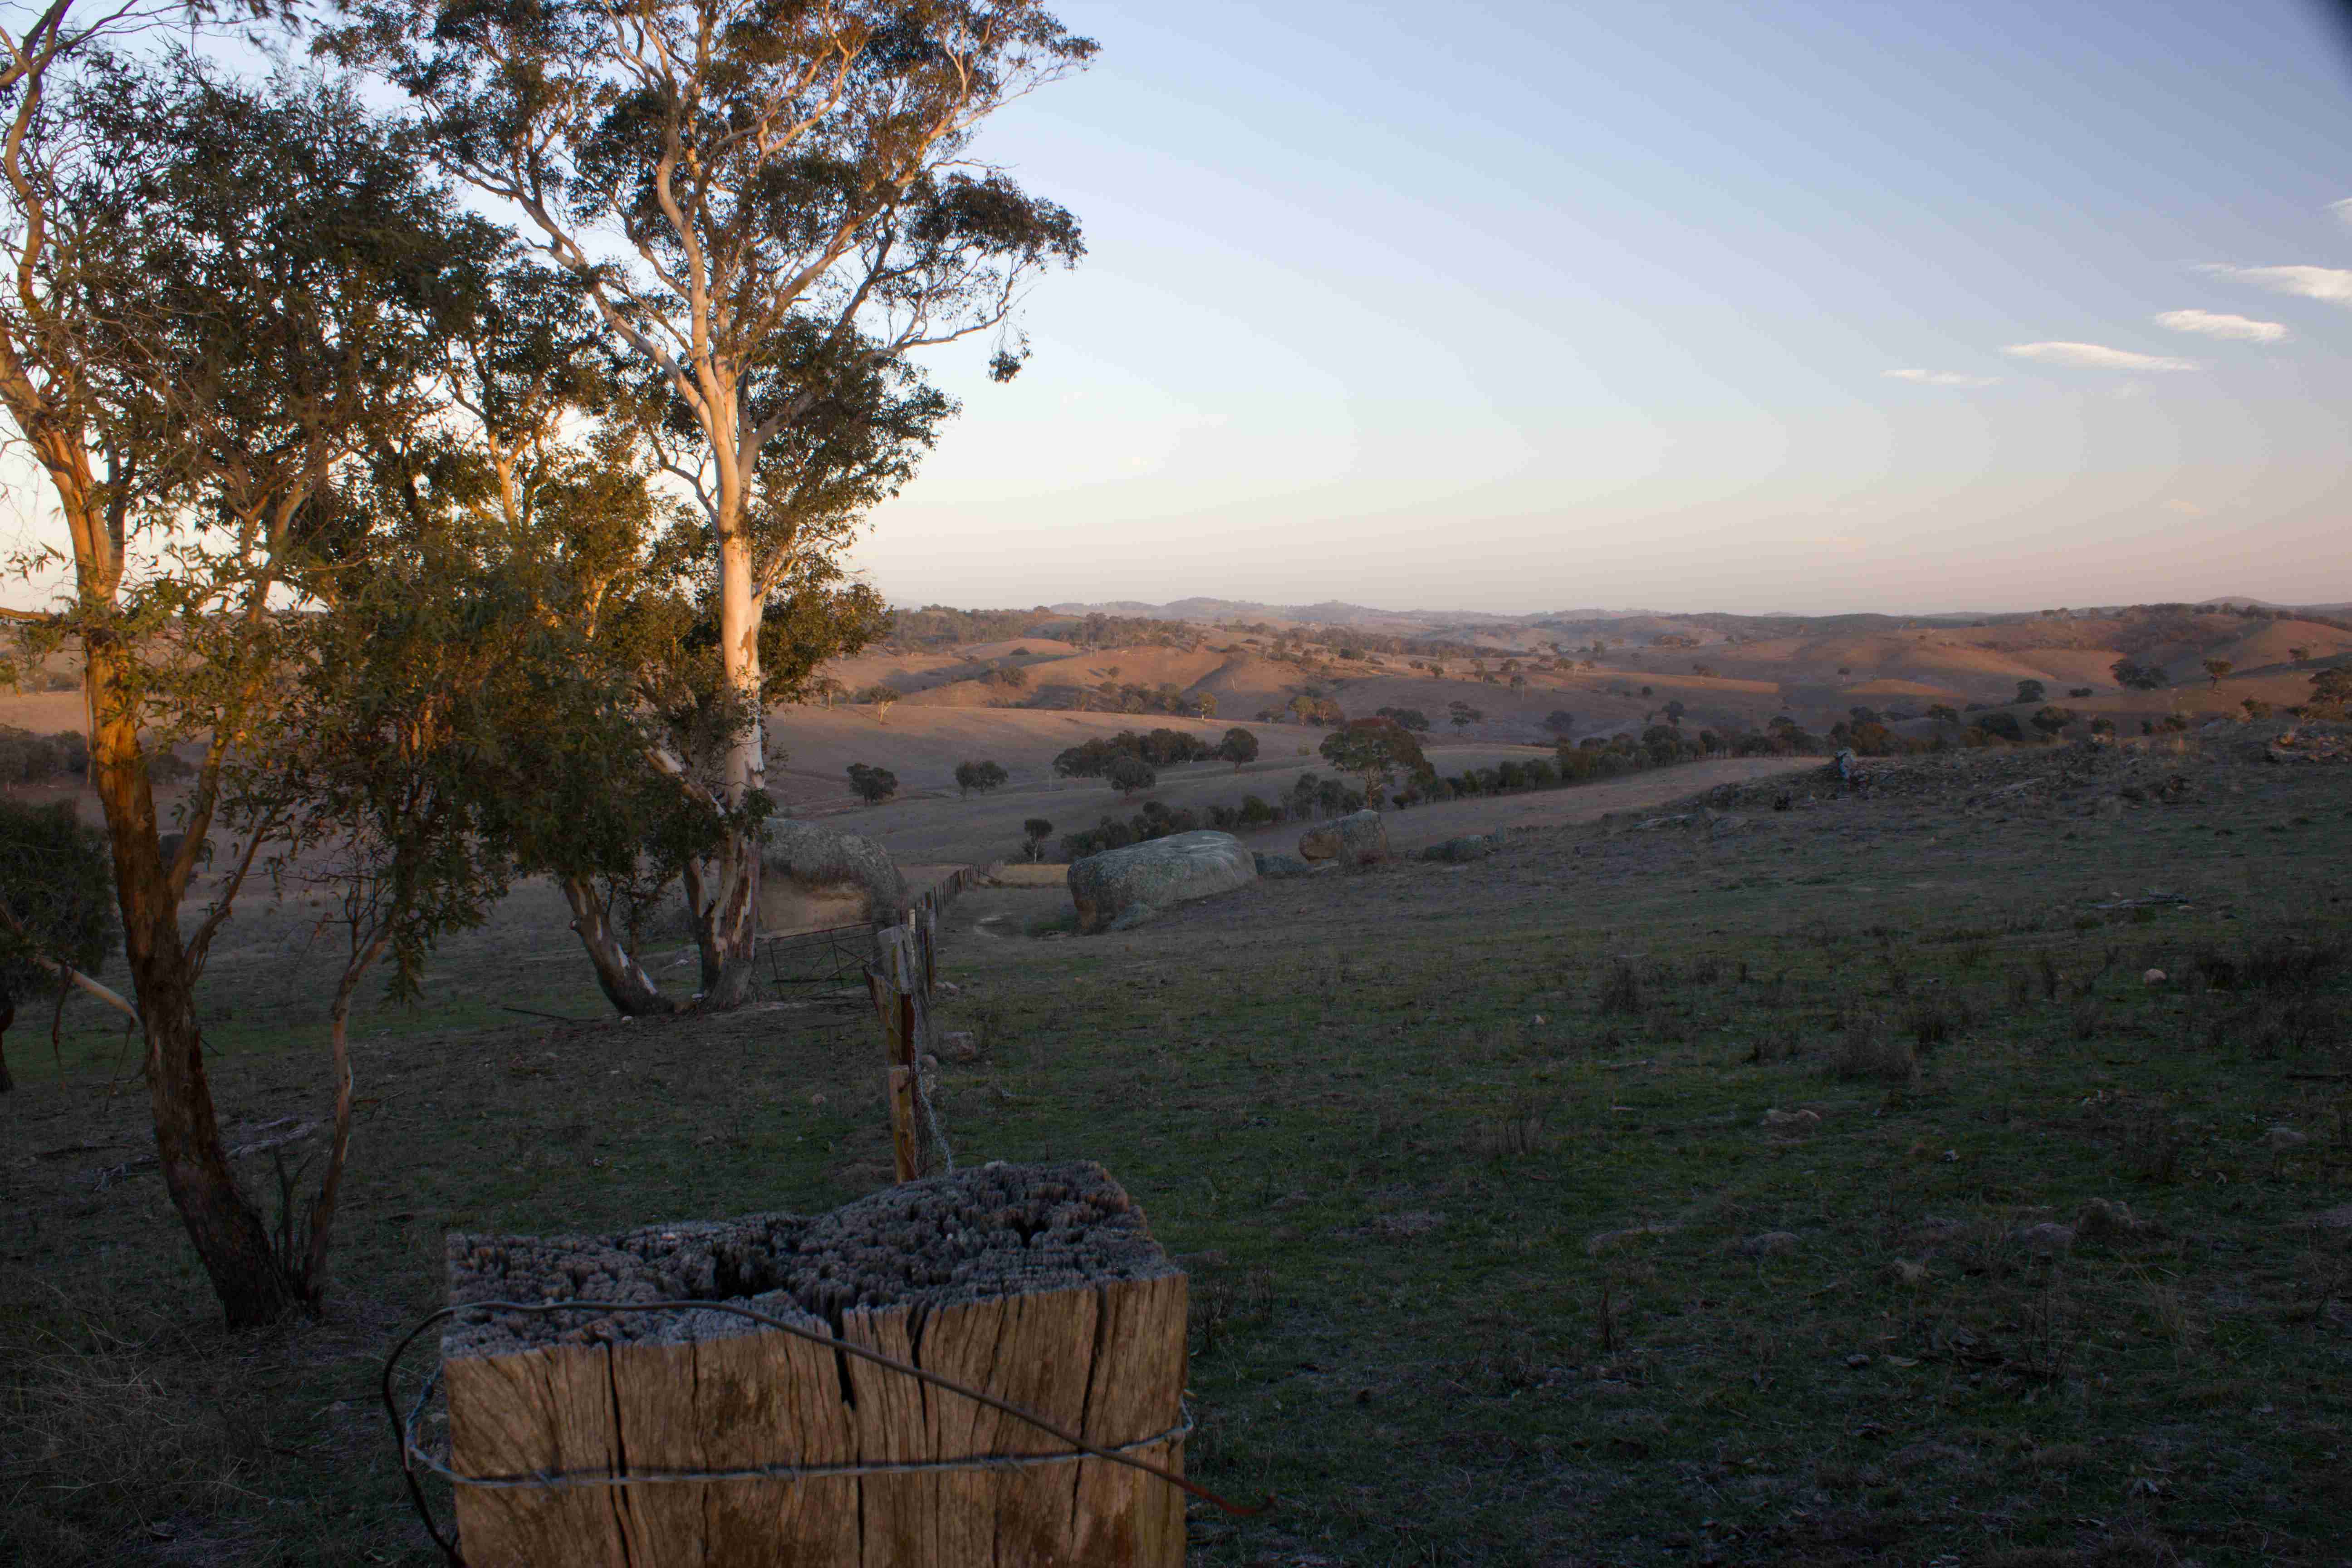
(2139, 677)
(1675, 711)
(1162, 747)
(1413, 718)
(1375, 750)
(1560, 722)
(1461, 715)
(1238, 747)
(2078, 691)
(2331, 691)
(981, 776)
(1704, 671)
(1311, 707)
(828, 691)
(1870, 737)
(1944, 713)
(1128, 773)
(57, 919)
(2256, 708)
(881, 698)
(2050, 721)
(2004, 725)
(1034, 834)
(871, 785)
(2029, 692)
(27, 758)
(1518, 682)
(2215, 668)
(2298, 653)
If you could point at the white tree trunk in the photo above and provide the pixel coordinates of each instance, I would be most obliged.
(734, 926)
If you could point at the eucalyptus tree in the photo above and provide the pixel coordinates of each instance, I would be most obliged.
(367, 778)
(760, 200)
(217, 292)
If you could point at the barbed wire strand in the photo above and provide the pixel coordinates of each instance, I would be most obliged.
(572, 1481)
(401, 1432)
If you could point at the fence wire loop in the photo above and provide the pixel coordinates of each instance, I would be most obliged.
(413, 1454)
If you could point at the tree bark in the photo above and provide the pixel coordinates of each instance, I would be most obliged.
(625, 984)
(312, 1284)
(229, 1234)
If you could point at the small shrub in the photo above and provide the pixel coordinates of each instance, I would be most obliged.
(1620, 989)
(2152, 1150)
(1927, 1022)
(1867, 1050)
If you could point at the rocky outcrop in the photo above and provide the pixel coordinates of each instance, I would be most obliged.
(1127, 885)
(808, 862)
(1353, 840)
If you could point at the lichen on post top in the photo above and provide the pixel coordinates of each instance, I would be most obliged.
(991, 1231)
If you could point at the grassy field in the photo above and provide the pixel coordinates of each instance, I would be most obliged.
(1820, 1185)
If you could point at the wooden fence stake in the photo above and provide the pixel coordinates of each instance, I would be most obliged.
(1061, 1303)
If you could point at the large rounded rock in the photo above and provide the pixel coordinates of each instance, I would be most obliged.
(1125, 885)
(1351, 840)
(814, 874)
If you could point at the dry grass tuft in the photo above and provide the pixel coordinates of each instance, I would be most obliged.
(93, 1434)
(1867, 1049)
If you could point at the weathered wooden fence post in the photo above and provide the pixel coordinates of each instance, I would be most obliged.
(668, 1437)
(900, 1007)
(901, 982)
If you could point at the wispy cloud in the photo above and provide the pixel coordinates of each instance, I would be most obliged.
(2332, 284)
(2216, 324)
(1942, 378)
(2342, 209)
(2096, 356)
(2185, 508)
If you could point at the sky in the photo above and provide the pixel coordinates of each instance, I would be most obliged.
(1875, 305)
(1815, 308)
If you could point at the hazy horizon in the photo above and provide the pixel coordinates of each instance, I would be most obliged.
(2323, 606)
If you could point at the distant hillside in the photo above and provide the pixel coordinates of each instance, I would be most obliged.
(1330, 612)
(1469, 625)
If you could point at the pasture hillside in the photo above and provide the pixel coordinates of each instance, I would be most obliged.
(1954, 1171)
